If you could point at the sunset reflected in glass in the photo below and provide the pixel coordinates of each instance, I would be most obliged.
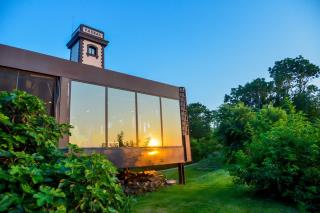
(171, 122)
(149, 122)
(121, 118)
(87, 115)
(154, 142)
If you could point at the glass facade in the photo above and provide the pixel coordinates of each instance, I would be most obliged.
(133, 119)
(87, 115)
(149, 121)
(42, 86)
(8, 79)
(121, 118)
(171, 122)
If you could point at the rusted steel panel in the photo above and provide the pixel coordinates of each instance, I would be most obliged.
(128, 157)
(185, 124)
(36, 62)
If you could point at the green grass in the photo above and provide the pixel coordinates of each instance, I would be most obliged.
(207, 190)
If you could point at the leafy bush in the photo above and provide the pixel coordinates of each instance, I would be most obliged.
(265, 119)
(283, 159)
(233, 126)
(90, 183)
(36, 176)
(200, 120)
(204, 147)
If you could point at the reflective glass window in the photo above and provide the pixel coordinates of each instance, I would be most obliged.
(92, 50)
(42, 86)
(121, 118)
(171, 122)
(149, 122)
(87, 115)
(8, 79)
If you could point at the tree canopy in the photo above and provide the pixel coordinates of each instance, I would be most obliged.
(292, 78)
(254, 94)
(200, 119)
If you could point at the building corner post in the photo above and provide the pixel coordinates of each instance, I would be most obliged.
(182, 179)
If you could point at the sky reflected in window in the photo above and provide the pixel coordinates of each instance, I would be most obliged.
(87, 115)
(171, 122)
(149, 123)
(121, 118)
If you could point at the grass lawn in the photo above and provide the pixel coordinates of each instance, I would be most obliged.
(207, 190)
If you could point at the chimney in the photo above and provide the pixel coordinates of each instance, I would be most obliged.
(87, 46)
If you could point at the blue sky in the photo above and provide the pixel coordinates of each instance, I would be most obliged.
(206, 46)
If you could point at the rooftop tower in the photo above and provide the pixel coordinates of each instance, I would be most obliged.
(87, 46)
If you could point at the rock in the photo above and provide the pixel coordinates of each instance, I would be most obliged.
(171, 182)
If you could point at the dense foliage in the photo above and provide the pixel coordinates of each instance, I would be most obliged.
(282, 158)
(204, 147)
(274, 150)
(203, 141)
(35, 176)
(232, 128)
(255, 94)
(270, 132)
(200, 119)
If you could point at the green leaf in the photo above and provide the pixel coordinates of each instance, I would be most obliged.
(6, 200)
(27, 188)
(4, 119)
(47, 195)
(36, 175)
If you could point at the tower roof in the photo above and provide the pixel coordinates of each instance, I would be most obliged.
(88, 33)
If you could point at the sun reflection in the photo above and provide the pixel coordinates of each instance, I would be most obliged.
(153, 152)
(154, 142)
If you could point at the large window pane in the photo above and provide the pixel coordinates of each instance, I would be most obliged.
(121, 118)
(8, 79)
(42, 86)
(171, 122)
(87, 115)
(149, 123)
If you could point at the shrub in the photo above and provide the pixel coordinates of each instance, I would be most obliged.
(204, 147)
(35, 176)
(90, 183)
(265, 119)
(232, 126)
(283, 160)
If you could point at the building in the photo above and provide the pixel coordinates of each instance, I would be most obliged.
(135, 122)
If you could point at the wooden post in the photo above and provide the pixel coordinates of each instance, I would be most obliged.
(181, 173)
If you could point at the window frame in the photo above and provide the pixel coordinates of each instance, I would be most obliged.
(91, 46)
(136, 116)
(21, 76)
(105, 109)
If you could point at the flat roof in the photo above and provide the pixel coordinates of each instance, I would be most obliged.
(36, 62)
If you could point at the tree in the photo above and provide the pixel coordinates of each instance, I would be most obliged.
(309, 103)
(292, 77)
(254, 94)
(292, 80)
(233, 126)
(200, 120)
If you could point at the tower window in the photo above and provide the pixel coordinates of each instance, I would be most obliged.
(92, 50)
